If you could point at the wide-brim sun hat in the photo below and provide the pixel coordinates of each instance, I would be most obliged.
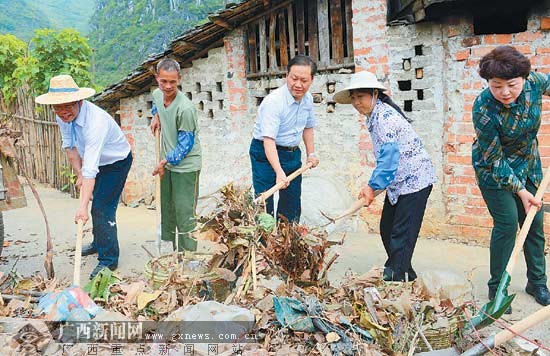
(360, 80)
(63, 89)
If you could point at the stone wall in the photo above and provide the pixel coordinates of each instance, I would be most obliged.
(430, 70)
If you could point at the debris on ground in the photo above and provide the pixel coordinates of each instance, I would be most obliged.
(273, 273)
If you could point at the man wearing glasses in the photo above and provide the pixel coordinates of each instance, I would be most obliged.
(100, 156)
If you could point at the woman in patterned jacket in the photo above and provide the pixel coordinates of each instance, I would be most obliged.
(403, 169)
(506, 159)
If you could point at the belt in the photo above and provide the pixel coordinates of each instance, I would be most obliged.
(286, 148)
(282, 148)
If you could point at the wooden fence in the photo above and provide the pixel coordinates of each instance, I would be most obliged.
(42, 157)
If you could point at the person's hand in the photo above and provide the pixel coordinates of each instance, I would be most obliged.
(314, 160)
(81, 214)
(281, 177)
(155, 124)
(528, 200)
(366, 193)
(159, 169)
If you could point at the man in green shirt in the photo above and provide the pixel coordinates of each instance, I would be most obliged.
(506, 159)
(180, 146)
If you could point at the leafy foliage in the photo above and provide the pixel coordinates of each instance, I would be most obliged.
(50, 53)
(11, 50)
(124, 32)
(60, 52)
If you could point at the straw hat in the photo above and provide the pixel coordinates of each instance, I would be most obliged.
(361, 80)
(63, 89)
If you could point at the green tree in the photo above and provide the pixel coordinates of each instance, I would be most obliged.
(50, 53)
(60, 52)
(11, 50)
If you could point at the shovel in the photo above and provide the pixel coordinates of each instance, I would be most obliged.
(497, 339)
(495, 308)
(262, 197)
(78, 253)
(157, 193)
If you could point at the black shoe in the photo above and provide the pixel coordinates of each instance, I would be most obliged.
(540, 292)
(492, 293)
(100, 267)
(87, 250)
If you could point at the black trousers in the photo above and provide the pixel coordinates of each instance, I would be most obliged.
(399, 228)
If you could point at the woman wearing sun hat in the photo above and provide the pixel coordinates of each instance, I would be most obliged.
(100, 156)
(403, 169)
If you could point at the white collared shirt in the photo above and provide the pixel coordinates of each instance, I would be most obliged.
(284, 119)
(98, 138)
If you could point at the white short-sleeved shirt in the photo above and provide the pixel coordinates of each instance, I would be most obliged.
(282, 118)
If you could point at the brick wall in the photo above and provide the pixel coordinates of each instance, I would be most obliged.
(430, 67)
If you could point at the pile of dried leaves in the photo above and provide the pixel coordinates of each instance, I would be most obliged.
(277, 271)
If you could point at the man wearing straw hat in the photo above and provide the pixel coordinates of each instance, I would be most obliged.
(100, 156)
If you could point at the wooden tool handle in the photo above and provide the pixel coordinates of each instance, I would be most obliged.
(78, 253)
(520, 240)
(522, 325)
(157, 177)
(359, 203)
(262, 197)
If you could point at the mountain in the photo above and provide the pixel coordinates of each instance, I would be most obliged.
(22, 17)
(124, 32)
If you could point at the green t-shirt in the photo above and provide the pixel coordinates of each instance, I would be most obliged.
(180, 115)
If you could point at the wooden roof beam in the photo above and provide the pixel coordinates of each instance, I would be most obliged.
(187, 44)
(220, 21)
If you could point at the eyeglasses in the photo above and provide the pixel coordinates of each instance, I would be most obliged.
(64, 107)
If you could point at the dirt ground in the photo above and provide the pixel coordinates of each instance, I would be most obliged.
(25, 231)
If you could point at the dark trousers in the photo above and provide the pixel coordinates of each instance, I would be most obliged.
(109, 183)
(264, 177)
(399, 228)
(507, 212)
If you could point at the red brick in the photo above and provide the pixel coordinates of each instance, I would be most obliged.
(481, 51)
(456, 189)
(498, 39)
(527, 37)
(540, 60)
(475, 201)
(465, 160)
(545, 23)
(471, 41)
(543, 50)
(524, 49)
(474, 232)
(477, 211)
(462, 55)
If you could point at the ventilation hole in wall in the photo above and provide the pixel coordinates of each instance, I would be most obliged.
(331, 87)
(419, 73)
(201, 106)
(198, 87)
(404, 85)
(179, 88)
(210, 114)
(220, 104)
(140, 113)
(219, 86)
(149, 105)
(209, 95)
(259, 100)
(406, 64)
(149, 119)
(117, 119)
(418, 50)
(408, 105)
(189, 95)
(420, 94)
